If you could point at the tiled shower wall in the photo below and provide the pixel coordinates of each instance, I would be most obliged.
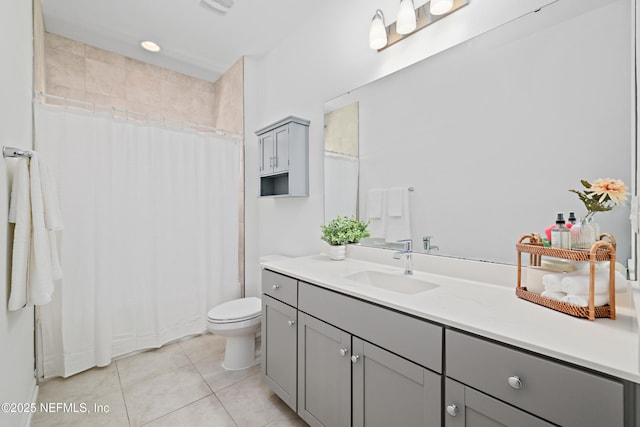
(83, 72)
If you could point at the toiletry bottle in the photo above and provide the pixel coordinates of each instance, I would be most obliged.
(560, 235)
(571, 220)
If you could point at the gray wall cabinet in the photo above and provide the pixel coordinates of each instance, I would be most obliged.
(284, 158)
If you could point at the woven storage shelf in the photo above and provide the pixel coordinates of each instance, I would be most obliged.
(600, 251)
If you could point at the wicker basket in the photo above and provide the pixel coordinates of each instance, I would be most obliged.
(600, 251)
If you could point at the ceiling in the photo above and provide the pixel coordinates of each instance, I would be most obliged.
(194, 39)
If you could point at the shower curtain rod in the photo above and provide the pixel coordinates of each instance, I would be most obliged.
(148, 117)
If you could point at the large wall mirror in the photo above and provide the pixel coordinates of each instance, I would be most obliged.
(491, 134)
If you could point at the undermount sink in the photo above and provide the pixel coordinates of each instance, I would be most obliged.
(391, 282)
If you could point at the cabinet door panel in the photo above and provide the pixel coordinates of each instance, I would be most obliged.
(281, 150)
(279, 349)
(324, 380)
(266, 154)
(475, 409)
(391, 391)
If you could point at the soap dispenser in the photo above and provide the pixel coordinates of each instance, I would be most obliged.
(560, 234)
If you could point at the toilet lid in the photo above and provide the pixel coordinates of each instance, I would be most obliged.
(236, 310)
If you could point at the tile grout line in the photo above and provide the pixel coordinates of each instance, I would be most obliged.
(124, 399)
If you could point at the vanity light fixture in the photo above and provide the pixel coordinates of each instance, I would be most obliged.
(440, 7)
(410, 20)
(406, 22)
(150, 46)
(377, 31)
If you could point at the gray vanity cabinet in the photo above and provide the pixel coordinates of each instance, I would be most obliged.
(324, 377)
(279, 335)
(284, 158)
(391, 391)
(552, 391)
(467, 407)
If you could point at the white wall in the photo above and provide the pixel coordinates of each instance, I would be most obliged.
(17, 382)
(328, 56)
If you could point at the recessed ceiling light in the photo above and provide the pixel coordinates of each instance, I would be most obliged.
(150, 46)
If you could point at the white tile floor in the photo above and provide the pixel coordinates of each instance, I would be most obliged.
(181, 384)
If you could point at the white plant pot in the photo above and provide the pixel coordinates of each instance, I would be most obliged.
(338, 252)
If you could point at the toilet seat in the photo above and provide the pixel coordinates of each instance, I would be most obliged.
(238, 310)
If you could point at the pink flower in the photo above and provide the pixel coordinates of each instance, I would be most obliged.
(608, 189)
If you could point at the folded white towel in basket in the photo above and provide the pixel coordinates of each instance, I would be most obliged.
(553, 295)
(578, 284)
(553, 281)
(583, 300)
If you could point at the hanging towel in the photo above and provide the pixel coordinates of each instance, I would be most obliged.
(375, 211)
(20, 215)
(397, 227)
(41, 274)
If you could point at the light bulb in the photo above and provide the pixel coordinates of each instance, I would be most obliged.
(150, 46)
(377, 31)
(440, 7)
(406, 22)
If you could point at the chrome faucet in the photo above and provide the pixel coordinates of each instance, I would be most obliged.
(426, 243)
(406, 250)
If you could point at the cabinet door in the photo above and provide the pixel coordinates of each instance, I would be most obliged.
(466, 407)
(279, 349)
(324, 377)
(266, 154)
(391, 391)
(281, 149)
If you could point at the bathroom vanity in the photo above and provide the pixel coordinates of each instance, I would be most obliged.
(358, 343)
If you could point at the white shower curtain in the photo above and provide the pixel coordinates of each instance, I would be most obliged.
(150, 240)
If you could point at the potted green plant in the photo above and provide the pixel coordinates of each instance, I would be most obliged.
(343, 230)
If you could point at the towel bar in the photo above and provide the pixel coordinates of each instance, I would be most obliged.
(15, 152)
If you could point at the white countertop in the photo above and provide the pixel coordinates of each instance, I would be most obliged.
(493, 311)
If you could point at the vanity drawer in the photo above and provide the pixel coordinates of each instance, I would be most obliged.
(558, 393)
(406, 336)
(280, 287)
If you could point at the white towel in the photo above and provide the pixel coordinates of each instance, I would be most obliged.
(578, 284)
(553, 295)
(395, 201)
(20, 215)
(41, 275)
(553, 281)
(397, 227)
(375, 212)
(583, 300)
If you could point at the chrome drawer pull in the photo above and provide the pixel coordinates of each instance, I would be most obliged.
(343, 352)
(274, 287)
(515, 382)
(291, 322)
(355, 358)
(452, 410)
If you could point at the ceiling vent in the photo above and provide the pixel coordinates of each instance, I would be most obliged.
(219, 6)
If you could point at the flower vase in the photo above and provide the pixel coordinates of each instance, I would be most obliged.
(337, 252)
(584, 234)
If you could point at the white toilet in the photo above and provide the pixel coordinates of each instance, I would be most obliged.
(239, 320)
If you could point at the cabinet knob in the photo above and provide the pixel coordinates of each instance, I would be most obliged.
(355, 358)
(452, 410)
(291, 322)
(515, 382)
(274, 287)
(344, 352)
